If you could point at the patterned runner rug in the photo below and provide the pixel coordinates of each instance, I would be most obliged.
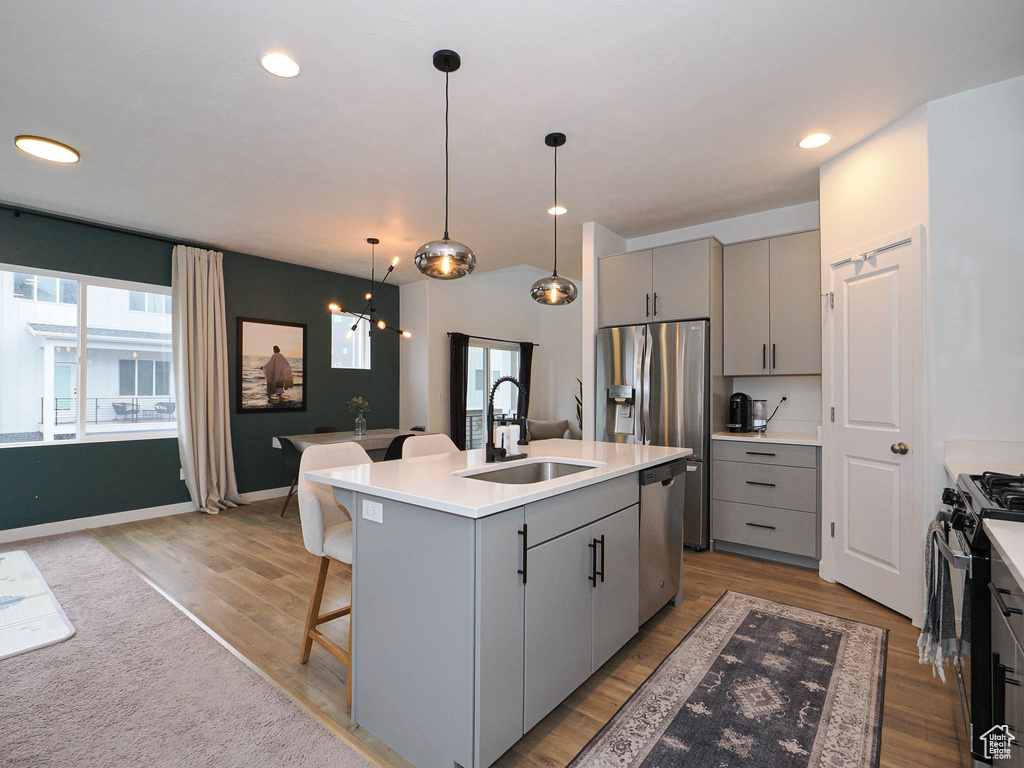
(755, 683)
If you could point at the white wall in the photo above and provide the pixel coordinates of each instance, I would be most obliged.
(495, 304)
(976, 274)
(802, 410)
(754, 226)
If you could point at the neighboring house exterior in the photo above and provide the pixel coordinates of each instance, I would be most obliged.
(129, 383)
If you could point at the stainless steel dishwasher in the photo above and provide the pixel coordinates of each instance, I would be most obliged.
(661, 536)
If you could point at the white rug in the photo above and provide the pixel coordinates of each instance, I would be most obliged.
(140, 684)
(30, 616)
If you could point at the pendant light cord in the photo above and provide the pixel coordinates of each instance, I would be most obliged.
(554, 270)
(445, 155)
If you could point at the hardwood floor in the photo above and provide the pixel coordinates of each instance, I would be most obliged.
(246, 575)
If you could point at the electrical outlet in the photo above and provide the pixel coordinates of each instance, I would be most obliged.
(373, 511)
(181, 473)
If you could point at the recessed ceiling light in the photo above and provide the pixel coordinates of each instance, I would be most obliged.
(47, 149)
(815, 140)
(280, 64)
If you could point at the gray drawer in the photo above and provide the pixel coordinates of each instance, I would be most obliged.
(560, 514)
(1012, 597)
(766, 453)
(766, 485)
(784, 530)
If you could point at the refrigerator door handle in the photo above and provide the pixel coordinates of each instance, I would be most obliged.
(638, 402)
(647, 386)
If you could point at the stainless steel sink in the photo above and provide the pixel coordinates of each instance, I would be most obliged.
(526, 473)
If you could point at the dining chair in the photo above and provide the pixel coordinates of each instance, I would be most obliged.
(428, 445)
(291, 456)
(327, 534)
(394, 450)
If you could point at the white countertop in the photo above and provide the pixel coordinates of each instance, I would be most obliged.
(957, 467)
(779, 438)
(1007, 537)
(428, 481)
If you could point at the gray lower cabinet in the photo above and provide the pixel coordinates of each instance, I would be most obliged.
(457, 651)
(1007, 600)
(581, 607)
(766, 496)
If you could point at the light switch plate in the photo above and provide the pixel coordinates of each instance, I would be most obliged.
(373, 511)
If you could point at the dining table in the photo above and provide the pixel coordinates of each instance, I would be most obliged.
(374, 441)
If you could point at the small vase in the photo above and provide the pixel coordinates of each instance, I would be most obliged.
(360, 426)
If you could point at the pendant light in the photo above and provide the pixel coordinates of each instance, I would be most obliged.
(370, 311)
(445, 259)
(554, 290)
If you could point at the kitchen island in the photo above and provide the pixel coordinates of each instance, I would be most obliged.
(484, 594)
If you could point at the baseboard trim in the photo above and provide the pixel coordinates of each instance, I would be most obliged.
(116, 518)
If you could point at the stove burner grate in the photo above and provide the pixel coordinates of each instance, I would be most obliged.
(995, 484)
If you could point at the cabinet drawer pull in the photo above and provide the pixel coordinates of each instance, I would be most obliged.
(522, 571)
(755, 482)
(759, 453)
(762, 525)
(997, 595)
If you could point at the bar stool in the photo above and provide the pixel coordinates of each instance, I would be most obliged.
(327, 534)
(428, 445)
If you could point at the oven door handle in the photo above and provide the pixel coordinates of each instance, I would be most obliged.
(956, 558)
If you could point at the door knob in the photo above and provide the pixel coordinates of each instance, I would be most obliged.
(901, 448)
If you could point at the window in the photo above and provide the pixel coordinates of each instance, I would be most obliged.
(126, 384)
(154, 303)
(488, 362)
(351, 352)
(44, 288)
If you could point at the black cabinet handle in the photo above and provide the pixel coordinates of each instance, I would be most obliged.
(601, 572)
(755, 482)
(522, 533)
(592, 578)
(773, 356)
(648, 305)
(764, 356)
(762, 525)
(655, 303)
(997, 596)
(759, 453)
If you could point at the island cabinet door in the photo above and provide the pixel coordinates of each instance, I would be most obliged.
(501, 541)
(616, 594)
(559, 621)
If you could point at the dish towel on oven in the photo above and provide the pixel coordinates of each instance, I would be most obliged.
(938, 642)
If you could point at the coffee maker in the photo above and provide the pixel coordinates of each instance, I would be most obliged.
(739, 419)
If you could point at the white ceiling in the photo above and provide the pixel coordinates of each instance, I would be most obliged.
(676, 113)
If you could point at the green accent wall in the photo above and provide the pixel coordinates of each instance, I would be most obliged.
(62, 481)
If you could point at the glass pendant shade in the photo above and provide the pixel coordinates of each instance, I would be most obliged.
(445, 259)
(554, 290)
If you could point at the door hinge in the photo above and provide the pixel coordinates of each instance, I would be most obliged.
(833, 530)
(831, 299)
(833, 416)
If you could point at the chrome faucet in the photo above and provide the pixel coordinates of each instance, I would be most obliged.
(492, 453)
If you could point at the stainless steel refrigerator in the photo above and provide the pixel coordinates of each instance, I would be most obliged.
(654, 387)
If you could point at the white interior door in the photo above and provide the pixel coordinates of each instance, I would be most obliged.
(875, 450)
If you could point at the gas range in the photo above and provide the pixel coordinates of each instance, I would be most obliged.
(988, 496)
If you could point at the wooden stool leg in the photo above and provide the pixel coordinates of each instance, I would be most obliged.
(351, 658)
(314, 609)
(288, 498)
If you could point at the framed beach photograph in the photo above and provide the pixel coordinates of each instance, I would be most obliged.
(271, 366)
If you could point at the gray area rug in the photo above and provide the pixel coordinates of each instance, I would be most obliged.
(755, 683)
(140, 684)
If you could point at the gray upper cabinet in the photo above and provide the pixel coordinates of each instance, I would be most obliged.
(673, 282)
(625, 286)
(682, 280)
(745, 277)
(795, 291)
(772, 306)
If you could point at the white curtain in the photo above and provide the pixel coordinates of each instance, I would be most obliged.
(201, 378)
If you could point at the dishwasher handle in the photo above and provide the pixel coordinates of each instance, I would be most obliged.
(663, 473)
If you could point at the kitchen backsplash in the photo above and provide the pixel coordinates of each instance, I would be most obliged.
(802, 410)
